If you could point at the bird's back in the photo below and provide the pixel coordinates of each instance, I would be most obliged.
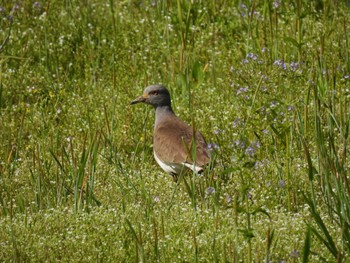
(174, 142)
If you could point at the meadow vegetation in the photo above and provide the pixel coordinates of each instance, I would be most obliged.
(267, 83)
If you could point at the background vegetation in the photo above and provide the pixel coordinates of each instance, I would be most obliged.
(267, 83)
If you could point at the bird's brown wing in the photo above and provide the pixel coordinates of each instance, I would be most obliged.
(173, 142)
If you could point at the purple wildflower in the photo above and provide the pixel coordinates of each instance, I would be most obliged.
(210, 190)
(258, 165)
(256, 145)
(217, 131)
(244, 10)
(15, 7)
(277, 62)
(252, 56)
(242, 90)
(239, 143)
(263, 110)
(281, 64)
(276, 3)
(282, 183)
(250, 151)
(37, 7)
(237, 122)
(273, 104)
(256, 13)
(228, 199)
(249, 195)
(213, 146)
(294, 66)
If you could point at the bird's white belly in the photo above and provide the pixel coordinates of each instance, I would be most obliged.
(176, 168)
(171, 168)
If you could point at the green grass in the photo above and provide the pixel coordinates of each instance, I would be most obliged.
(267, 83)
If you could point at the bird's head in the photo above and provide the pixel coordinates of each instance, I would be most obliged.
(155, 95)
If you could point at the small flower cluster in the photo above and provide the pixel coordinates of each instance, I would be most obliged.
(245, 12)
(242, 90)
(238, 122)
(293, 66)
(252, 57)
(239, 144)
(252, 148)
(249, 150)
(281, 64)
(209, 191)
(276, 3)
(213, 146)
(37, 7)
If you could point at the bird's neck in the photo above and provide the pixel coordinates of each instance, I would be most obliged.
(163, 112)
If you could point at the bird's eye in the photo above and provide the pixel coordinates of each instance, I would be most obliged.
(154, 92)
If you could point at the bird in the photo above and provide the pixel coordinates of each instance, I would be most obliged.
(176, 145)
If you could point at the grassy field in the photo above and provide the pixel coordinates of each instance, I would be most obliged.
(267, 83)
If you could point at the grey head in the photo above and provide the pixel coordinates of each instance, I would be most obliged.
(155, 95)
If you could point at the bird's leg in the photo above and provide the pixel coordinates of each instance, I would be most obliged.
(175, 178)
